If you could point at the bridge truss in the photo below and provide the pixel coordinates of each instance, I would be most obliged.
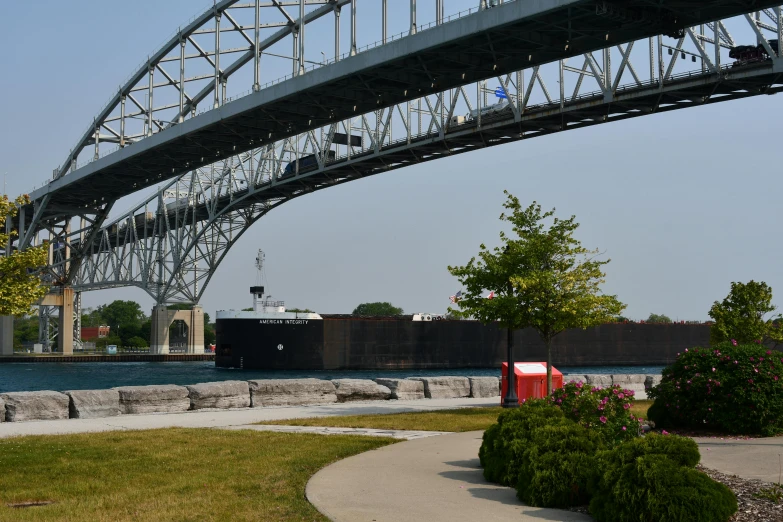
(172, 243)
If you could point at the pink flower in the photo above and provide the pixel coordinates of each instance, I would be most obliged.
(734, 342)
(620, 396)
(776, 377)
(664, 432)
(713, 369)
(579, 385)
(735, 362)
(602, 419)
(686, 349)
(769, 352)
(623, 428)
(627, 406)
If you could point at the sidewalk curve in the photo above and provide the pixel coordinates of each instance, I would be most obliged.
(760, 459)
(432, 479)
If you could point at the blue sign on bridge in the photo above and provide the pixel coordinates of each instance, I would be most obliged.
(500, 93)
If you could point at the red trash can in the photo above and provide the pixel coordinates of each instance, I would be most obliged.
(530, 379)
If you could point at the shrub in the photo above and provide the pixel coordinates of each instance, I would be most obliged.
(605, 410)
(652, 479)
(504, 443)
(557, 466)
(737, 389)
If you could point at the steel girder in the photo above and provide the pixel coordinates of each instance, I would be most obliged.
(176, 250)
(171, 244)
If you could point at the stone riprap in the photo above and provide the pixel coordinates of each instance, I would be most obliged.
(153, 399)
(360, 390)
(222, 395)
(83, 404)
(445, 387)
(291, 392)
(39, 405)
(403, 389)
(573, 377)
(483, 387)
(598, 380)
(93, 404)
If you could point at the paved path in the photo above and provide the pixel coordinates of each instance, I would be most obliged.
(753, 458)
(436, 479)
(319, 430)
(230, 418)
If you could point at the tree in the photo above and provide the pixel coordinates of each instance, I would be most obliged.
(21, 283)
(542, 279)
(377, 309)
(299, 310)
(741, 315)
(658, 318)
(125, 316)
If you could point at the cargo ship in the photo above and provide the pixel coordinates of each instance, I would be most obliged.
(270, 338)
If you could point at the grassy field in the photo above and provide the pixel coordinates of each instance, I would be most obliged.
(168, 475)
(463, 419)
(467, 419)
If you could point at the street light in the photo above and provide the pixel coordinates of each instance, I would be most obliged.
(510, 400)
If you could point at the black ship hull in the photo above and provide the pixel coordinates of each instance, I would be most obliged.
(354, 343)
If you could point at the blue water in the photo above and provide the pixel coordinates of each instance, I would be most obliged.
(87, 376)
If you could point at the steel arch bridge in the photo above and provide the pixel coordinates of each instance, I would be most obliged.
(229, 157)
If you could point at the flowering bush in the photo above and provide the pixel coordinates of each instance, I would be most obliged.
(729, 387)
(605, 410)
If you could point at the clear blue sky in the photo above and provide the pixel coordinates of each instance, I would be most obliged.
(683, 203)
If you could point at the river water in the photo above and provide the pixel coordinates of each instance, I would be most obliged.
(88, 376)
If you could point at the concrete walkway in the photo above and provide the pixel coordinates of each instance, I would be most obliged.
(230, 418)
(432, 479)
(760, 459)
(368, 432)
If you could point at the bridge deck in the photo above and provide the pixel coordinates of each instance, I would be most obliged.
(510, 37)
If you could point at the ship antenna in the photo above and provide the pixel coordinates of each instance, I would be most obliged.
(260, 267)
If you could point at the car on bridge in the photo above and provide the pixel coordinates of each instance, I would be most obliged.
(306, 163)
(749, 54)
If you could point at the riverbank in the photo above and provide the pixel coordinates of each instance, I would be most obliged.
(122, 357)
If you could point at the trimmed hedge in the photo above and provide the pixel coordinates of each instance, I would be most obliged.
(735, 389)
(652, 479)
(555, 462)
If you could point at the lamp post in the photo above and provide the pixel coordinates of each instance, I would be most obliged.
(510, 400)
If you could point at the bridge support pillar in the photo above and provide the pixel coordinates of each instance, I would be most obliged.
(65, 330)
(161, 320)
(6, 335)
(159, 332)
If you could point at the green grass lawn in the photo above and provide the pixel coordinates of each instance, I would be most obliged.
(463, 419)
(168, 475)
(640, 408)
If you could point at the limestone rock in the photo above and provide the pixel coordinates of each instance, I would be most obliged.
(291, 392)
(573, 377)
(360, 390)
(2, 410)
(153, 399)
(484, 387)
(40, 405)
(93, 404)
(629, 380)
(444, 387)
(651, 381)
(598, 380)
(224, 395)
(403, 389)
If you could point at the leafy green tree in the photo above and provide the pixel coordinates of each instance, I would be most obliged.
(21, 283)
(377, 309)
(25, 330)
(542, 279)
(658, 318)
(124, 316)
(299, 310)
(741, 315)
(92, 317)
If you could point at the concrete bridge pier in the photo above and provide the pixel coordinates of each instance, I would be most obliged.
(6, 335)
(162, 318)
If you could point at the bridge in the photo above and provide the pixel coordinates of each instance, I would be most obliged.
(470, 80)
